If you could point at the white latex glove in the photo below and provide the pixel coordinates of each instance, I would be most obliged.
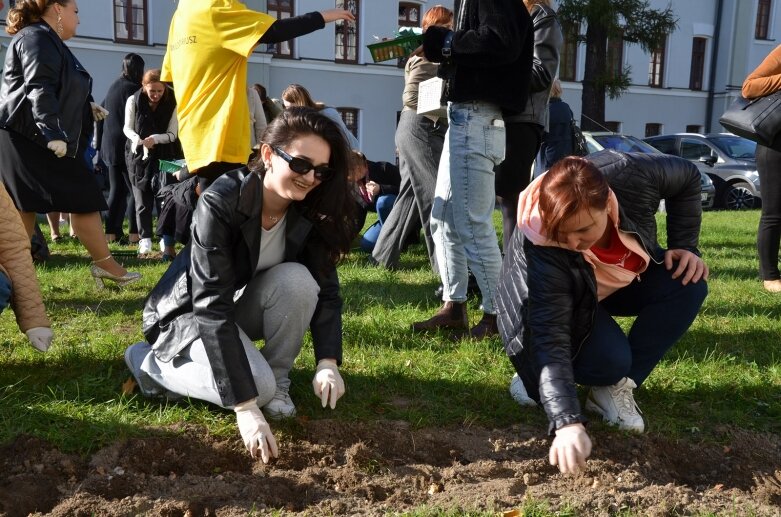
(58, 147)
(145, 155)
(255, 431)
(570, 448)
(328, 384)
(135, 142)
(98, 112)
(40, 337)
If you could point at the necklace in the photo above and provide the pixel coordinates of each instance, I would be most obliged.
(272, 218)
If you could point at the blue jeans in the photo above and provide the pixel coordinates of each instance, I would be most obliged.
(665, 310)
(462, 224)
(384, 205)
(5, 291)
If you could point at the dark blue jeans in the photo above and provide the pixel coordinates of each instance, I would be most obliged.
(5, 291)
(372, 233)
(665, 310)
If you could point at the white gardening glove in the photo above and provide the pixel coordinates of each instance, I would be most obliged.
(255, 431)
(135, 142)
(328, 384)
(570, 448)
(59, 147)
(40, 337)
(98, 112)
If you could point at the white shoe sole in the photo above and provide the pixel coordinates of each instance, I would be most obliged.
(594, 408)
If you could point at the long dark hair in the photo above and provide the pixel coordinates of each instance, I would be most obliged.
(133, 68)
(328, 206)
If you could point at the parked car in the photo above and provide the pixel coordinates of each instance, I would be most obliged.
(728, 160)
(597, 141)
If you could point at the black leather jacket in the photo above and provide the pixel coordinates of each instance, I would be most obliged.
(46, 92)
(548, 40)
(547, 296)
(194, 298)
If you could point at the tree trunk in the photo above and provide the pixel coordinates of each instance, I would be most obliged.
(593, 97)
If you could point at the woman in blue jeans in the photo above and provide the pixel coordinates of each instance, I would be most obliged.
(587, 251)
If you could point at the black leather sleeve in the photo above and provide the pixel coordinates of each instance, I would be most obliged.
(326, 324)
(548, 40)
(213, 286)
(42, 64)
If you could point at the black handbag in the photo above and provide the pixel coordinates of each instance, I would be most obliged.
(756, 119)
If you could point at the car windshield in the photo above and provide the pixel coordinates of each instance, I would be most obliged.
(735, 147)
(626, 144)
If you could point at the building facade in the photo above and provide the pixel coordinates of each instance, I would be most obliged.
(334, 64)
(693, 78)
(684, 86)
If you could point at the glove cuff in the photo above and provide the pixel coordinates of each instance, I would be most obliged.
(246, 405)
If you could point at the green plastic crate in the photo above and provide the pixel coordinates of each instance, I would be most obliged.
(171, 166)
(395, 48)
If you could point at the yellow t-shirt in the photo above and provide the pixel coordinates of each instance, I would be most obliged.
(209, 42)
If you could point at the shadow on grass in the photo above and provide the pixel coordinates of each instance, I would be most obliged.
(748, 346)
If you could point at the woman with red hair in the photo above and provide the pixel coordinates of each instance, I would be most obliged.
(587, 251)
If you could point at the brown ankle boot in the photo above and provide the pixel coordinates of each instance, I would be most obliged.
(485, 328)
(451, 315)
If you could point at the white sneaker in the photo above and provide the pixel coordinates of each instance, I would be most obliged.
(281, 406)
(518, 392)
(145, 246)
(617, 405)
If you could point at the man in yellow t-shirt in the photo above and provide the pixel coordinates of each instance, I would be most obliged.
(209, 42)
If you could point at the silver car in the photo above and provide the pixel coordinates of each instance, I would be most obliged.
(726, 158)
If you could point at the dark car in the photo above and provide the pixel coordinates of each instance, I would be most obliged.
(597, 141)
(728, 160)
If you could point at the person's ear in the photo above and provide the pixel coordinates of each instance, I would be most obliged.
(265, 155)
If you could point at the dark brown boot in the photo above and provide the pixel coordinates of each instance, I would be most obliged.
(485, 328)
(452, 315)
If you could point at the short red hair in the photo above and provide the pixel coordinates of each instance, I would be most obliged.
(572, 184)
(437, 15)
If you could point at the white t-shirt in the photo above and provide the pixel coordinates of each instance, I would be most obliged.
(272, 246)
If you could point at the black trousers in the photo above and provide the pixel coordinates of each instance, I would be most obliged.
(769, 232)
(120, 201)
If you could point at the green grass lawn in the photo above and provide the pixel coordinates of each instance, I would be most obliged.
(726, 370)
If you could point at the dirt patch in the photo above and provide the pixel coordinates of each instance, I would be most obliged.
(341, 468)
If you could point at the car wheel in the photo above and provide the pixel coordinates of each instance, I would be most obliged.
(739, 196)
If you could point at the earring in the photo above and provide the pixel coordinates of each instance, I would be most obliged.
(59, 24)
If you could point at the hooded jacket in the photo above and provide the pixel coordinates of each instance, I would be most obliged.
(194, 297)
(547, 295)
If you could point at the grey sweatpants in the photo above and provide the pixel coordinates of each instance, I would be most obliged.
(277, 306)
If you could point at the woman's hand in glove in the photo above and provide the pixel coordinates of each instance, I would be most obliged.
(98, 112)
(58, 147)
(40, 337)
(255, 431)
(328, 384)
(570, 448)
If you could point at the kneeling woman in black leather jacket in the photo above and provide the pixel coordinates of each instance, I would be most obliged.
(261, 264)
(586, 252)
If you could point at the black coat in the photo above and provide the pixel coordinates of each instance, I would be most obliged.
(194, 298)
(547, 296)
(112, 142)
(492, 51)
(46, 92)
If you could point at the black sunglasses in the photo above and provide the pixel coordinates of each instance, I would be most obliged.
(302, 166)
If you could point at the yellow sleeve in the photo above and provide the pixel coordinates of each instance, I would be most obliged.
(239, 28)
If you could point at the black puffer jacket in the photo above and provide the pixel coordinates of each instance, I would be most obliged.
(548, 41)
(46, 92)
(194, 298)
(547, 296)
